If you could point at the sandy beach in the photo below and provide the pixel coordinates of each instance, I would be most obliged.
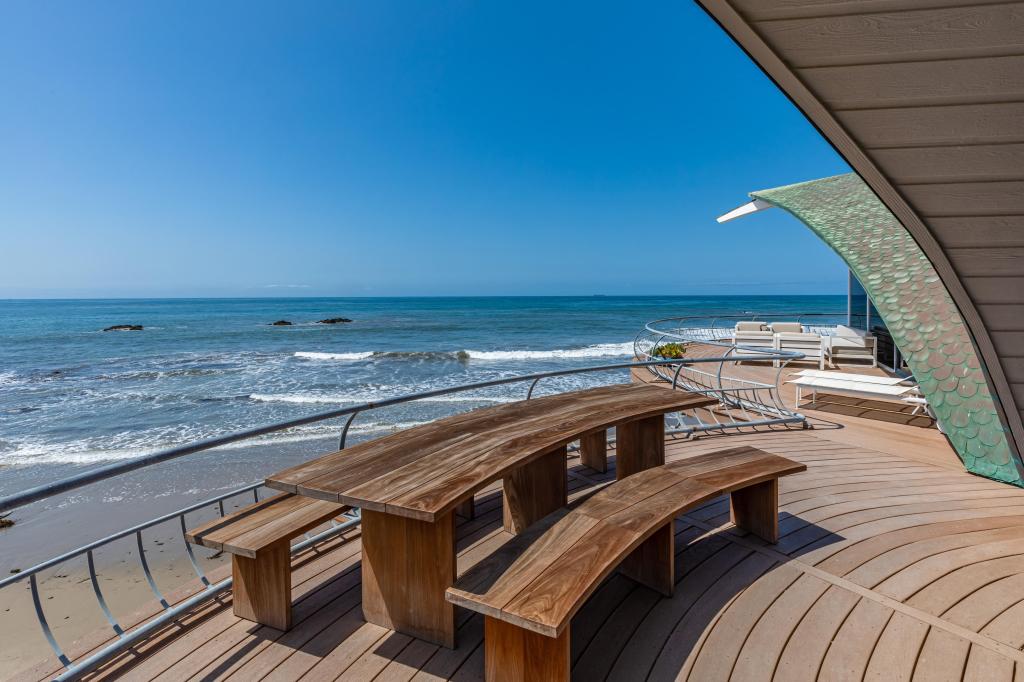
(70, 605)
(49, 528)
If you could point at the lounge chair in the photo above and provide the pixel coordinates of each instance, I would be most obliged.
(849, 344)
(860, 386)
(752, 335)
(791, 336)
(786, 328)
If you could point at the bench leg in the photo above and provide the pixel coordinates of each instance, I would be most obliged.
(512, 654)
(756, 509)
(639, 445)
(262, 587)
(594, 450)
(535, 490)
(407, 566)
(653, 563)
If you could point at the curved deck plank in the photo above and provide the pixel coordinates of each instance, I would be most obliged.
(1008, 626)
(984, 664)
(943, 657)
(856, 641)
(722, 646)
(760, 653)
(804, 654)
(896, 651)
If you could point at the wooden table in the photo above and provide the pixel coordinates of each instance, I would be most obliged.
(409, 484)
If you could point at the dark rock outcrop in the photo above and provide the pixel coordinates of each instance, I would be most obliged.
(334, 320)
(124, 328)
(281, 323)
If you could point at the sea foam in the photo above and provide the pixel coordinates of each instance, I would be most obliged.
(332, 356)
(594, 351)
(322, 399)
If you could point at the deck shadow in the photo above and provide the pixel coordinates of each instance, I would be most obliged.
(878, 410)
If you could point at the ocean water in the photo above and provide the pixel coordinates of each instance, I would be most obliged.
(73, 395)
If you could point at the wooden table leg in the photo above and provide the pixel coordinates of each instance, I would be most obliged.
(262, 587)
(513, 654)
(756, 509)
(466, 509)
(407, 566)
(594, 450)
(639, 445)
(653, 563)
(535, 490)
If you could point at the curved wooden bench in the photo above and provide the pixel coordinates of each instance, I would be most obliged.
(258, 538)
(530, 588)
(409, 484)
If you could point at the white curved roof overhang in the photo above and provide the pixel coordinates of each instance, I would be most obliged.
(925, 101)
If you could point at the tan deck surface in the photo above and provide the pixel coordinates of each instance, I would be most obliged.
(893, 564)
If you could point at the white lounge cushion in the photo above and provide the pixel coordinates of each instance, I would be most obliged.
(860, 378)
(849, 338)
(748, 326)
(798, 337)
(786, 327)
(849, 332)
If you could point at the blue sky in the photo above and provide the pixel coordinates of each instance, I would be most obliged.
(393, 148)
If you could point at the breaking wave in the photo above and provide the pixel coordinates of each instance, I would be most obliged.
(594, 351)
(315, 399)
(333, 356)
(129, 446)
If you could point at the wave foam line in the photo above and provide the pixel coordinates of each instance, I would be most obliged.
(332, 356)
(593, 351)
(306, 398)
(84, 452)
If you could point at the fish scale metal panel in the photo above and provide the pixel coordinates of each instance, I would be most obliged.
(916, 307)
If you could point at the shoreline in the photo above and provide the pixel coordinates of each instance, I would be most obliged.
(65, 522)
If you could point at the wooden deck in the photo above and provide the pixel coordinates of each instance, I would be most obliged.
(893, 564)
(887, 568)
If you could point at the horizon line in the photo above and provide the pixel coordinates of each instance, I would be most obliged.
(421, 296)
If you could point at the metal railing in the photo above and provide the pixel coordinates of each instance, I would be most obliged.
(730, 397)
(745, 403)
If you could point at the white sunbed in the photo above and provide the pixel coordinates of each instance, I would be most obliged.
(859, 386)
(863, 378)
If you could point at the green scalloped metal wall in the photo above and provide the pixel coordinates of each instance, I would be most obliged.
(920, 314)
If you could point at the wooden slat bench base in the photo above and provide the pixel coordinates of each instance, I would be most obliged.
(538, 580)
(258, 538)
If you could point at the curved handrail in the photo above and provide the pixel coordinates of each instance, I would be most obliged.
(685, 329)
(745, 403)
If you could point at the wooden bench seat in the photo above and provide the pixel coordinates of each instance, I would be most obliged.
(258, 538)
(531, 587)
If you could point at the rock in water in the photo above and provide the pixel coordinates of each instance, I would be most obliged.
(281, 323)
(334, 320)
(124, 328)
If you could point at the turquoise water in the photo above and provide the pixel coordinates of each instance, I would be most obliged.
(71, 394)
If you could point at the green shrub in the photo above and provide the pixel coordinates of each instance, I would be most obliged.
(669, 351)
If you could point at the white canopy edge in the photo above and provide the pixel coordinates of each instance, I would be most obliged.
(750, 207)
